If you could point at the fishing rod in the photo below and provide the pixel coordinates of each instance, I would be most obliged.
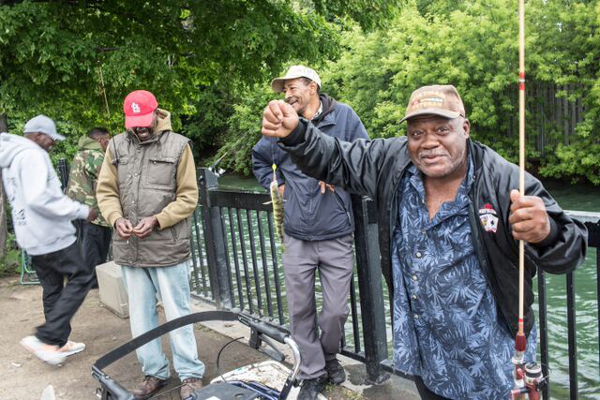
(103, 88)
(104, 50)
(213, 167)
(528, 378)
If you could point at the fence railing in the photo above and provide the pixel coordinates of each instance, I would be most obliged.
(237, 266)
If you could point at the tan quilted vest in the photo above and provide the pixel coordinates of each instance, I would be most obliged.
(147, 183)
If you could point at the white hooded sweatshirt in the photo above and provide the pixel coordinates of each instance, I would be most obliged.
(41, 213)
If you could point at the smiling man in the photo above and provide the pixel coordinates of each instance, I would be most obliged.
(147, 191)
(318, 225)
(449, 223)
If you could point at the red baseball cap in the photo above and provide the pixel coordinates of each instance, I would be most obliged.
(139, 109)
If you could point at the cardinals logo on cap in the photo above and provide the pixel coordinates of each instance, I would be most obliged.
(139, 109)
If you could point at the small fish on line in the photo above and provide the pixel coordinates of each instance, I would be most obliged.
(277, 202)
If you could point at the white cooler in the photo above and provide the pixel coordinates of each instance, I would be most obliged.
(112, 289)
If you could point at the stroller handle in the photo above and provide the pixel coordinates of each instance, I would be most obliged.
(113, 387)
(263, 327)
(297, 357)
(282, 337)
(113, 390)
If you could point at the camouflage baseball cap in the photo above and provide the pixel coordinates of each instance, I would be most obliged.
(442, 100)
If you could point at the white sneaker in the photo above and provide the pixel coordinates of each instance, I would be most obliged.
(45, 352)
(72, 348)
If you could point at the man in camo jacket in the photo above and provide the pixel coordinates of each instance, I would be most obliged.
(83, 179)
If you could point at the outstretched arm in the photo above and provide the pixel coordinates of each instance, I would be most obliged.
(39, 198)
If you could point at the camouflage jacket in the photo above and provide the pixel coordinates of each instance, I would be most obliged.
(83, 177)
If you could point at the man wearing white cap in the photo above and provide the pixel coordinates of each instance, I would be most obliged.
(41, 216)
(318, 225)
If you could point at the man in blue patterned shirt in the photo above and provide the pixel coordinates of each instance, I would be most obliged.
(449, 224)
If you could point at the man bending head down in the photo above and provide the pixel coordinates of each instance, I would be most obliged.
(147, 191)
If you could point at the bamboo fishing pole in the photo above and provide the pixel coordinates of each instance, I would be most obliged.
(528, 377)
(520, 341)
(520, 390)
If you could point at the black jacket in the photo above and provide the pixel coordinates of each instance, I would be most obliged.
(310, 215)
(375, 168)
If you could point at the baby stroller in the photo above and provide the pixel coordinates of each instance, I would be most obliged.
(241, 389)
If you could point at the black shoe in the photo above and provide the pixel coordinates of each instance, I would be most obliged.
(335, 372)
(312, 387)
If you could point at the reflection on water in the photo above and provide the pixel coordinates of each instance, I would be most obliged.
(586, 306)
(573, 198)
(583, 198)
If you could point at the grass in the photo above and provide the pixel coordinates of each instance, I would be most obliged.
(341, 393)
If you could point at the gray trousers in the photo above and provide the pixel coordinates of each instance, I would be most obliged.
(335, 260)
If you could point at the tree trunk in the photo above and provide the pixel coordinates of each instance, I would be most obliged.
(3, 228)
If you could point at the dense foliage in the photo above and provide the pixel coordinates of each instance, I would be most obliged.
(472, 45)
(211, 64)
(62, 57)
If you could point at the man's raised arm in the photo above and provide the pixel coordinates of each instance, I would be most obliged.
(352, 166)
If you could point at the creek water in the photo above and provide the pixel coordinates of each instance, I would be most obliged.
(581, 197)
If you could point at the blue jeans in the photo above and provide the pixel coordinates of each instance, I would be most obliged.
(171, 284)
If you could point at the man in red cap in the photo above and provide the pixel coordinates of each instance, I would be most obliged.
(147, 191)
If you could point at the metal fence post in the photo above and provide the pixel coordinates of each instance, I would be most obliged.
(594, 241)
(213, 236)
(63, 173)
(370, 289)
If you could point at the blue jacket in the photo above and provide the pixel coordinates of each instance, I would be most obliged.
(310, 215)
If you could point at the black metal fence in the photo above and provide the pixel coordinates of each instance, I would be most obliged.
(237, 266)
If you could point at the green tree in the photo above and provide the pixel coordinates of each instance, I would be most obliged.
(52, 53)
(567, 50)
(474, 47)
(75, 60)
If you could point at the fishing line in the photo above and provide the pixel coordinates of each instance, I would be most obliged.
(219, 356)
(103, 88)
(214, 165)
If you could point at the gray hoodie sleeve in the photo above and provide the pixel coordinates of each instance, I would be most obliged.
(41, 190)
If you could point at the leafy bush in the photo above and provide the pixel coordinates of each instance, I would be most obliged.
(474, 47)
(11, 262)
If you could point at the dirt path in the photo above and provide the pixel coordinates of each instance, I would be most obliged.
(25, 377)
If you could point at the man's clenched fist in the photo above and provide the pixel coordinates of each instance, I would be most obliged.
(279, 119)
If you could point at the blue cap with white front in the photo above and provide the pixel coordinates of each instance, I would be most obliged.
(42, 124)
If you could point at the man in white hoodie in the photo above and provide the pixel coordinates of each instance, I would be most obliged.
(41, 216)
